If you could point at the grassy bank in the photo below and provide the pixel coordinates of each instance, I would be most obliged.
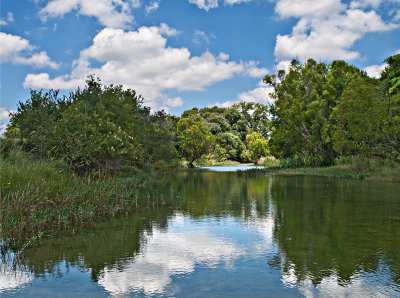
(42, 196)
(349, 167)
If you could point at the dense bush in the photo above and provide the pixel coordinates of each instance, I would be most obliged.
(95, 128)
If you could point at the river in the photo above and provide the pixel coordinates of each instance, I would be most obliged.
(220, 233)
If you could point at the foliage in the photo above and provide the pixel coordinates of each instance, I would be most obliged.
(325, 111)
(43, 195)
(231, 125)
(96, 128)
(257, 146)
(195, 139)
(231, 144)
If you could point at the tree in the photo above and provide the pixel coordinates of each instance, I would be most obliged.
(195, 139)
(357, 118)
(305, 98)
(257, 146)
(95, 128)
(232, 145)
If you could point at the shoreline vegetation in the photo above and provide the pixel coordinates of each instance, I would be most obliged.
(44, 197)
(71, 160)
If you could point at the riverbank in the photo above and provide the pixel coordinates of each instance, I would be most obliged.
(42, 196)
(354, 168)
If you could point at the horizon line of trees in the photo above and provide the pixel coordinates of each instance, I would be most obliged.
(321, 112)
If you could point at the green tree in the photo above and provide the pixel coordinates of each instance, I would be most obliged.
(95, 128)
(257, 146)
(304, 100)
(357, 118)
(195, 139)
(232, 145)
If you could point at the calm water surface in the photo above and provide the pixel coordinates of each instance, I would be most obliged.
(228, 234)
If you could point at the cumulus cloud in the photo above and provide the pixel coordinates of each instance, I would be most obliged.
(174, 102)
(283, 65)
(136, 3)
(141, 60)
(326, 30)
(110, 13)
(308, 8)
(205, 4)
(18, 50)
(374, 71)
(8, 19)
(258, 95)
(365, 3)
(202, 37)
(153, 6)
(4, 113)
(4, 117)
(208, 4)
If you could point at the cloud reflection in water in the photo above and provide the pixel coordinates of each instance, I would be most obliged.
(165, 253)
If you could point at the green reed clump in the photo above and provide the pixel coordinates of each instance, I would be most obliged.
(42, 195)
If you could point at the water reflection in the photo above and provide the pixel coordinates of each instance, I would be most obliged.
(12, 277)
(225, 233)
(167, 253)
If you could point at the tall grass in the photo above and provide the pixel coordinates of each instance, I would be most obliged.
(42, 196)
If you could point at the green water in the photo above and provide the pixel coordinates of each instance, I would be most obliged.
(227, 234)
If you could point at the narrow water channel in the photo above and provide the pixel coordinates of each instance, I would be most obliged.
(227, 234)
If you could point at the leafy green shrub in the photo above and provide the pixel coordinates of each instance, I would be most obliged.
(98, 128)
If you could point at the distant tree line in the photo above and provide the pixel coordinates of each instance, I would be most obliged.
(321, 112)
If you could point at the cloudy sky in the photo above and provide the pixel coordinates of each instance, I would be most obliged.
(184, 53)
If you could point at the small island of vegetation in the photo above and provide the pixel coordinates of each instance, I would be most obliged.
(72, 159)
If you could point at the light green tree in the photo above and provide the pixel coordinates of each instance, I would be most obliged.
(195, 139)
(257, 146)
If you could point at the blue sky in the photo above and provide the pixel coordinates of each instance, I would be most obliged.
(184, 53)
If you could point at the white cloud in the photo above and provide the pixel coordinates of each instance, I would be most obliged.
(42, 80)
(326, 30)
(200, 37)
(8, 19)
(141, 60)
(231, 2)
(4, 113)
(374, 71)
(258, 95)
(136, 3)
(208, 4)
(153, 6)
(18, 50)
(174, 102)
(205, 4)
(111, 13)
(283, 65)
(365, 3)
(308, 8)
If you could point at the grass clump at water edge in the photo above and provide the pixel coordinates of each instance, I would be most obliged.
(41, 196)
(355, 167)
